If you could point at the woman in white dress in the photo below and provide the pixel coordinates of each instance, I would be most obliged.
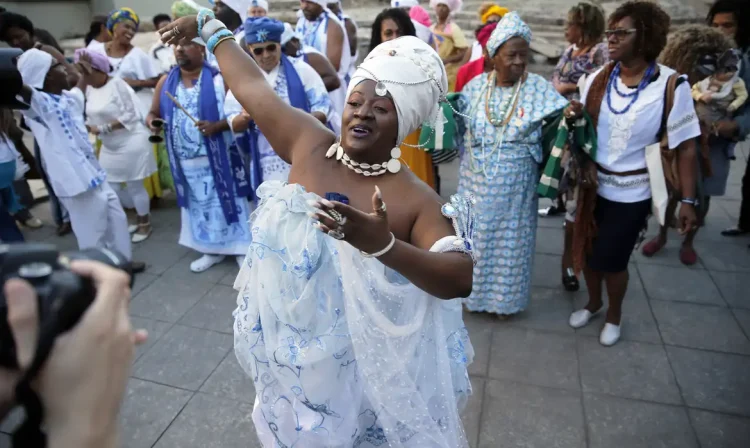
(113, 115)
(347, 316)
(138, 70)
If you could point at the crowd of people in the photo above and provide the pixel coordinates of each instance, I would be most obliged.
(283, 150)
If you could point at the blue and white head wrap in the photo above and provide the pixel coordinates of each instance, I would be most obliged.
(263, 29)
(510, 26)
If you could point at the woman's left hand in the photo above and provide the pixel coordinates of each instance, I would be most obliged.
(93, 130)
(182, 30)
(368, 232)
(688, 219)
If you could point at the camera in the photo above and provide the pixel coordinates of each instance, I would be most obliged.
(62, 296)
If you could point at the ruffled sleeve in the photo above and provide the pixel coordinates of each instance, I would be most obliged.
(682, 123)
(137, 65)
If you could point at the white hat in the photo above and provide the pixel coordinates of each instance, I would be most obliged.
(412, 72)
(34, 65)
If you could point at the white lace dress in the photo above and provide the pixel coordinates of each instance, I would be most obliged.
(343, 351)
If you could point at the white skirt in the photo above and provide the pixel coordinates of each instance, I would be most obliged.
(127, 155)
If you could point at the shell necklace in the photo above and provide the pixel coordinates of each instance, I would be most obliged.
(369, 170)
(478, 164)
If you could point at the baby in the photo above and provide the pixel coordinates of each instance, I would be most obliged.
(722, 93)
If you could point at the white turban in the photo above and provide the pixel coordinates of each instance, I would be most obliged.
(259, 3)
(453, 5)
(413, 74)
(34, 65)
(289, 34)
(404, 3)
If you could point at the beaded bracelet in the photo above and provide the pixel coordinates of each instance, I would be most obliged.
(202, 14)
(217, 38)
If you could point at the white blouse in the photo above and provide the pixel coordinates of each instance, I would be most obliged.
(622, 138)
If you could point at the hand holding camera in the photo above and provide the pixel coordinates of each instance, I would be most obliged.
(82, 381)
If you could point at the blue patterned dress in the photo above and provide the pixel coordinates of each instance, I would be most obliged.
(204, 227)
(502, 170)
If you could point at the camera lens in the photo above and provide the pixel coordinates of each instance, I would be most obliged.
(33, 271)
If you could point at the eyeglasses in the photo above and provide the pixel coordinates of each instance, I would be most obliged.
(619, 34)
(258, 51)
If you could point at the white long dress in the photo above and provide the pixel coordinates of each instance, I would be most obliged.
(343, 351)
(126, 154)
(137, 65)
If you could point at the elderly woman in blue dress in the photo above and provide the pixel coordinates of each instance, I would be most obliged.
(502, 113)
(293, 80)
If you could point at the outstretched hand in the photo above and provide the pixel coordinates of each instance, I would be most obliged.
(181, 31)
(368, 232)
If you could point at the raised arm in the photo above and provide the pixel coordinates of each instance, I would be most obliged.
(335, 48)
(271, 114)
(287, 129)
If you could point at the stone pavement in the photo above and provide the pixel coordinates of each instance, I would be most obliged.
(679, 378)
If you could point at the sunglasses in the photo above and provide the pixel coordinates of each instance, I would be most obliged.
(258, 51)
(619, 34)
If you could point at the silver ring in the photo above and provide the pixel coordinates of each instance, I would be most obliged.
(338, 217)
(336, 234)
(382, 208)
(175, 31)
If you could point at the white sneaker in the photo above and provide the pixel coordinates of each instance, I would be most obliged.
(610, 335)
(141, 237)
(580, 318)
(205, 262)
(240, 259)
(132, 228)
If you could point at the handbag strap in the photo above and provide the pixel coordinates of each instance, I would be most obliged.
(669, 92)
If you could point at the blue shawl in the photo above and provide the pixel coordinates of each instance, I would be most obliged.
(220, 159)
(248, 141)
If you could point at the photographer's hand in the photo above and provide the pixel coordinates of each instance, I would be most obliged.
(84, 379)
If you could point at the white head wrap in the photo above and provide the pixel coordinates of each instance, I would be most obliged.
(34, 65)
(404, 3)
(259, 3)
(453, 5)
(413, 74)
(288, 34)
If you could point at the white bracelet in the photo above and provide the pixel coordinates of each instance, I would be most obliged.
(380, 253)
(210, 28)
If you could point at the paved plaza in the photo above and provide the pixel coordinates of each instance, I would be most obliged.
(679, 378)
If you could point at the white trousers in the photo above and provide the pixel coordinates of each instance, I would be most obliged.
(98, 220)
(133, 194)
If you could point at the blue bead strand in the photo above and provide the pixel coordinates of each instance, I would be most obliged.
(634, 95)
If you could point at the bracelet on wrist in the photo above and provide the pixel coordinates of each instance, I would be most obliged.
(210, 28)
(691, 201)
(218, 37)
(380, 253)
(203, 15)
